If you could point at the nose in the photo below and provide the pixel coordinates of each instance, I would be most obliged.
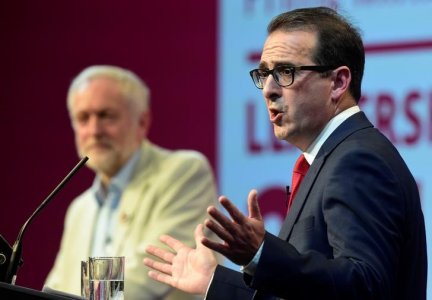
(271, 90)
(94, 125)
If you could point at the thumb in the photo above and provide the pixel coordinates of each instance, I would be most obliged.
(253, 206)
(199, 234)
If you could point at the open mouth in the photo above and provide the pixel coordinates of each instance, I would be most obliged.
(275, 115)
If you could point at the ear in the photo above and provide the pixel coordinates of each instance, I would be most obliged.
(341, 81)
(144, 123)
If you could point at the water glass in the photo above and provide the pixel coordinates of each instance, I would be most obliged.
(102, 278)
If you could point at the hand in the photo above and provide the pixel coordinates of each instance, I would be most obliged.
(242, 235)
(187, 269)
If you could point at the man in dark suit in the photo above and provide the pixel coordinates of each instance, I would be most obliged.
(355, 228)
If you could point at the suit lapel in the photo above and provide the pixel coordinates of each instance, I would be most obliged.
(130, 202)
(352, 124)
(131, 198)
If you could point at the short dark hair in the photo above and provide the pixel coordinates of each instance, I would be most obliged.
(339, 43)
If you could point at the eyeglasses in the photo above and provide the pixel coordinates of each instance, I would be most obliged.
(282, 74)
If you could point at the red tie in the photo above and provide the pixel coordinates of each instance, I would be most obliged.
(300, 169)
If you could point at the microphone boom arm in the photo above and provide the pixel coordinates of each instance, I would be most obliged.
(15, 259)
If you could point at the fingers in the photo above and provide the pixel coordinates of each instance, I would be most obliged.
(199, 235)
(160, 253)
(253, 206)
(226, 228)
(221, 248)
(160, 277)
(162, 271)
(234, 212)
(158, 266)
(223, 220)
(172, 242)
(224, 232)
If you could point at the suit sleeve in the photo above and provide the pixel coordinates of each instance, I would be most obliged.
(228, 284)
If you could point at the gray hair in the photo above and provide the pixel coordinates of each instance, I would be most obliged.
(133, 88)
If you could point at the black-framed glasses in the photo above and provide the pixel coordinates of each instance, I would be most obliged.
(283, 74)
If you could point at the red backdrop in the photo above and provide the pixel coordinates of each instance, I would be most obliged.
(44, 44)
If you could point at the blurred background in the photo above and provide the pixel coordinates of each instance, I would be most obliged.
(44, 44)
(195, 57)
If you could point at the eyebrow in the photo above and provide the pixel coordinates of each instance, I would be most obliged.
(264, 65)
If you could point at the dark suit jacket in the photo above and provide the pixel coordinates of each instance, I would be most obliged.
(355, 229)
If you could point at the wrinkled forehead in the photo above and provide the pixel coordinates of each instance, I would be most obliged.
(98, 95)
(288, 47)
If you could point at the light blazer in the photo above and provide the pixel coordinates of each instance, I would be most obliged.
(168, 194)
(355, 229)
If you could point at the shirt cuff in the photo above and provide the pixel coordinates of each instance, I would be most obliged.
(250, 268)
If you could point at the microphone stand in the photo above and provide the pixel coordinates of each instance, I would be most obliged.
(15, 259)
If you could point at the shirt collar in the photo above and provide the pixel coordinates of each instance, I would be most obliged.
(118, 182)
(331, 126)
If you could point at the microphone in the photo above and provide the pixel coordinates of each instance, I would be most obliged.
(288, 192)
(10, 257)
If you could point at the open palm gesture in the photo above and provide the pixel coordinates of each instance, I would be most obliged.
(185, 268)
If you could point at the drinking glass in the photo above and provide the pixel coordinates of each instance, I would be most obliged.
(102, 278)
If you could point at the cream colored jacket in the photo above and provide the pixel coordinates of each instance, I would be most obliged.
(168, 194)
